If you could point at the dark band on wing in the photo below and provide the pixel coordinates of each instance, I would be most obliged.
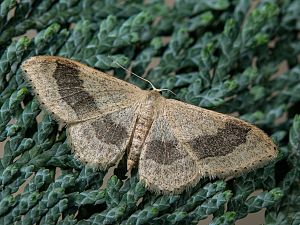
(221, 143)
(70, 88)
(164, 152)
(110, 132)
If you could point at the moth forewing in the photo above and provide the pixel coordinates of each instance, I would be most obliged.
(236, 145)
(75, 92)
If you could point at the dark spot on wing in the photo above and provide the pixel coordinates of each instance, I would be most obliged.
(71, 89)
(164, 152)
(221, 143)
(110, 132)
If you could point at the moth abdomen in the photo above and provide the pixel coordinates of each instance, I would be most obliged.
(145, 118)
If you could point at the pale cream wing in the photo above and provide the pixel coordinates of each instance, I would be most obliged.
(165, 165)
(220, 144)
(102, 141)
(75, 92)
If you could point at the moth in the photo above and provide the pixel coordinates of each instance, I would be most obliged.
(172, 143)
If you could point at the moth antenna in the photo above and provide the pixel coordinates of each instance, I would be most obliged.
(135, 75)
(154, 88)
(166, 89)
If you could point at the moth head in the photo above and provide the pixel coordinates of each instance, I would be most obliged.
(160, 91)
(154, 94)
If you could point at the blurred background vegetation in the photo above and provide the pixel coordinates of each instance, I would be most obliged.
(236, 57)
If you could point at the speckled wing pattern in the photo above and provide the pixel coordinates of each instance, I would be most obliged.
(99, 109)
(74, 92)
(165, 164)
(102, 141)
(187, 142)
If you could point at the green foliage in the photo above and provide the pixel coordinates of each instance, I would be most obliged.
(218, 54)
